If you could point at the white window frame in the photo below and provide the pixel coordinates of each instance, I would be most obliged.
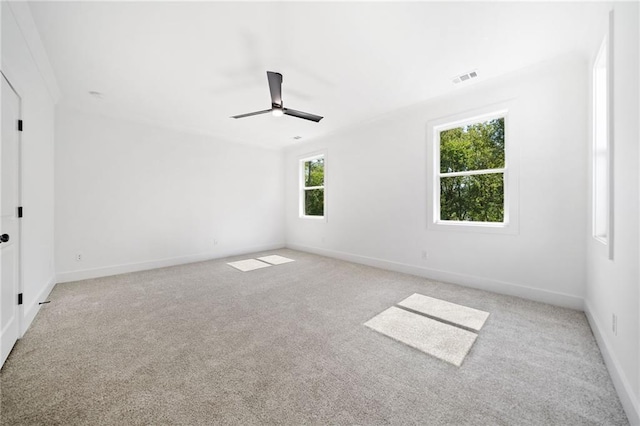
(602, 145)
(302, 188)
(509, 171)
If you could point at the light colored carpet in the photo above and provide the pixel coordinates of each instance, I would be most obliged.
(453, 313)
(248, 265)
(201, 344)
(435, 338)
(275, 259)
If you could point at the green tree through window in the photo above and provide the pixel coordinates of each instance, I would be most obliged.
(472, 162)
(313, 190)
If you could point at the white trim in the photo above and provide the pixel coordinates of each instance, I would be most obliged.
(24, 20)
(473, 172)
(478, 115)
(470, 226)
(321, 218)
(510, 224)
(495, 286)
(437, 129)
(625, 392)
(610, 115)
(106, 271)
(301, 188)
(603, 60)
(312, 156)
(32, 310)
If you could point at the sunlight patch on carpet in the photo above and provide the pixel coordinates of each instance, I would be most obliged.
(248, 265)
(443, 341)
(274, 259)
(449, 312)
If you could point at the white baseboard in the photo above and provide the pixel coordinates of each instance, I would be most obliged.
(106, 271)
(538, 295)
(32, 310)
(625, 392)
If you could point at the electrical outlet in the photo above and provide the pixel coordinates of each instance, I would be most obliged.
(614, 324)
(425, 255)
(78, 257)
(215, 242)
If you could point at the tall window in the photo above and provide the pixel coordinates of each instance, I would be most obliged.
(312, 181)
(470, 171)
(600, 185)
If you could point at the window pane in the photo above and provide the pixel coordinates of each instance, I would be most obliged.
(600, 147)
(314, 202)
(477, 198)
(314, 172)
(600, 197)
(477, 146)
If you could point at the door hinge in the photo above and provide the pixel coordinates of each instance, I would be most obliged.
(19, 125)
(20, 211)
(19, 298)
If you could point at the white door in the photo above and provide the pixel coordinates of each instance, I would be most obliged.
(9, 226)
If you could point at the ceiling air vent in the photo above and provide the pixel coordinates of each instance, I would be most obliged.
(465, 77)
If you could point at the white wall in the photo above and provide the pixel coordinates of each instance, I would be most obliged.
(26, 66)
(132, 196)
(612, 285)
(377, 184)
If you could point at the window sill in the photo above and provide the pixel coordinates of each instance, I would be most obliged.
(312, 217)
(601, 240)
(482, 227)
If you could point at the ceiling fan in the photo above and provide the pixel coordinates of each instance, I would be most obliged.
(277, 108)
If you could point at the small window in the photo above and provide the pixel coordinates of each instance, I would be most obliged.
(312, 186)
(470, 172)
(600, 153)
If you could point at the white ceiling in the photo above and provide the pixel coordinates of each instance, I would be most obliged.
(191, 65)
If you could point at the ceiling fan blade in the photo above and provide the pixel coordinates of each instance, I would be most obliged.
(300, 114)
(275, 87)
(249, 114)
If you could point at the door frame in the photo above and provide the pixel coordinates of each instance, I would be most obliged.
(19, 275)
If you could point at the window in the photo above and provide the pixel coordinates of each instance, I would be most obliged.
(600, 184)
(312, 183)
(473, 182)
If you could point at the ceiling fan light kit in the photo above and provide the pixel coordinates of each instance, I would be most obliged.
(277, 111)
(277, 108)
